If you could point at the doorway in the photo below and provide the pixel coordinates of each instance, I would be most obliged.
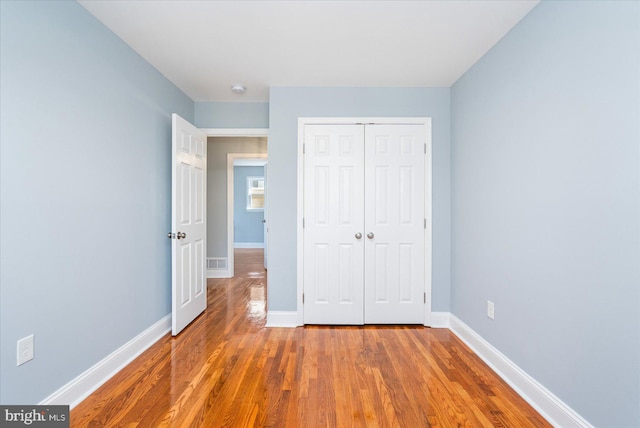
(225, 146)
(234, 159)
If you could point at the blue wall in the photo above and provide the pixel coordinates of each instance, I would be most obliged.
(545, 203)
(85, 179)
(247, 225)
(286, 105)
(231, 115)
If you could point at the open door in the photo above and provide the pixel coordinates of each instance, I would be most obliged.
(188, 225)
(264, 221)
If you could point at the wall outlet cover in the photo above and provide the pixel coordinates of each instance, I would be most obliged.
(25, 349)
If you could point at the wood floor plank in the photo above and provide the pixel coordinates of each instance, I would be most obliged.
(227, 370)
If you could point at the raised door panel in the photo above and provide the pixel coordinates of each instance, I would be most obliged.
(185, 277)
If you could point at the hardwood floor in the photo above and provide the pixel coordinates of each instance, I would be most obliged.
(227, 369)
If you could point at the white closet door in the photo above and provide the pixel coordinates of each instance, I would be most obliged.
(333, 218)
(394, 228)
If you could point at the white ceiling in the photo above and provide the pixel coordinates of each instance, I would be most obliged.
(204, 47)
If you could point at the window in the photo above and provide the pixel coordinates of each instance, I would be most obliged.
(255, 193)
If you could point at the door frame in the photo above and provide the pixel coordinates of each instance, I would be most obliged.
(428, 171)
(233, 132)
(231, 157)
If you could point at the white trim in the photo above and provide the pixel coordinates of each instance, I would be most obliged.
(249, 162)
(218, 273)
(428, 232)
(231, 157)
(236, 132)
(248, 245)
(299, 219)
(544, 401)
(82, 386)
(426, 121)
(287, 319)
(440, 319)
(367, 120)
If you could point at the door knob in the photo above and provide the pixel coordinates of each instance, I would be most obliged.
(171, 235)
(264, 221)
(370, 235)
(181, 235)
(358, 235)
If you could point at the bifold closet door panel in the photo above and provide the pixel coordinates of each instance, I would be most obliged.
(394, 224)
(333, 217)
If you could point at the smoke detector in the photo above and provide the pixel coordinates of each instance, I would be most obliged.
(238, 89)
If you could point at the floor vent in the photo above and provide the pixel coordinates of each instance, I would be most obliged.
(216, 263)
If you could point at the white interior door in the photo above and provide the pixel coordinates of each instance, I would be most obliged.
(264, 220)
(333, 224)
(364, 224)
(394, 224)
(188, 226)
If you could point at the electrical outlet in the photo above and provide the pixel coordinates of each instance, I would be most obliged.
(490, 309)
(25, 349)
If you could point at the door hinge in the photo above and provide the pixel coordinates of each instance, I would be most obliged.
(303, 222)
(425, 297)
(303, 298)
(304, 148)
(425, 148)
(425, 223)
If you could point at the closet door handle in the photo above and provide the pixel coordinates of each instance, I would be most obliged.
(358, 235)
(370, 235)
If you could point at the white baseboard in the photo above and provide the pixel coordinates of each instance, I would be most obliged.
(82, 386)
(544, 401)
(218, 273)
(439, 320)
(248, 245)
(287, 319)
